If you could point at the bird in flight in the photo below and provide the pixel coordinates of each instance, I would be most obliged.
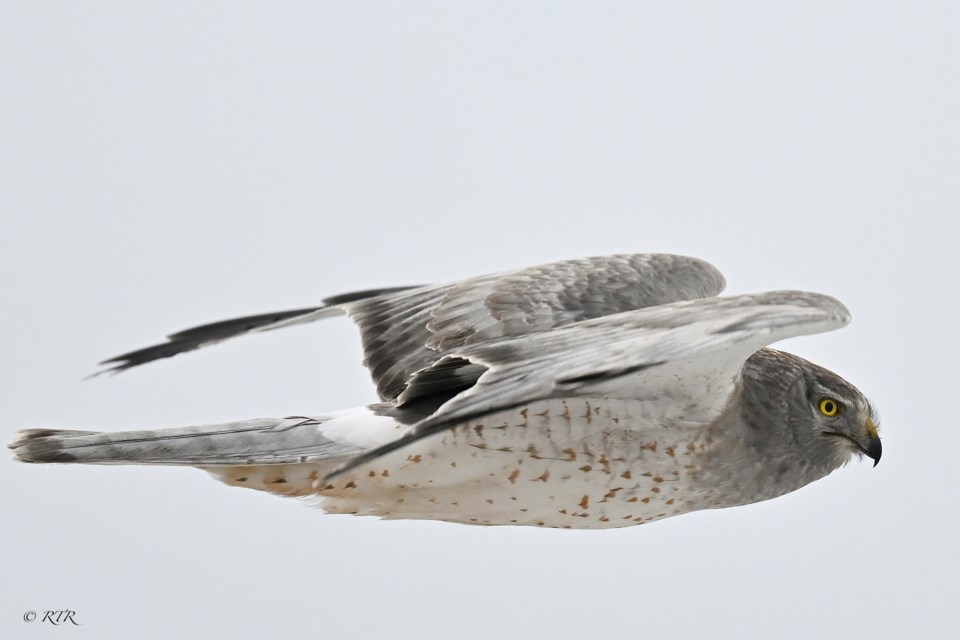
(585, 394)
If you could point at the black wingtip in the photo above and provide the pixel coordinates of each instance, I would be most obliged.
(132, 359)
(197, 337)
(207, 334)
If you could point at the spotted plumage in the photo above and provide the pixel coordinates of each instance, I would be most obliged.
(594, 393)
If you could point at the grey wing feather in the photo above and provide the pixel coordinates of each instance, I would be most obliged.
(406, 329)
(404, 333)
(704, 342)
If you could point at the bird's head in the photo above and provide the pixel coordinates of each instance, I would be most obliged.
(841, 415)
(829, 420)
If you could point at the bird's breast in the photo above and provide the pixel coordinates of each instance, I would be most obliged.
(571, 463)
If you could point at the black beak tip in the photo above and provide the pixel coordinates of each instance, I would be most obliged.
(875, 450)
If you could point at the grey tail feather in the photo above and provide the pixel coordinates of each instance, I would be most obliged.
(207, 334)
(249, 442)
(37, 445)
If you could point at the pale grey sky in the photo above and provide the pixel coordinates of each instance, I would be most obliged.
(169, 164)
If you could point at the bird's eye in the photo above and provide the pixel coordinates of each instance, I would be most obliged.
(829, 407)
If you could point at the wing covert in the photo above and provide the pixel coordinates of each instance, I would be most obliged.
(411, 330)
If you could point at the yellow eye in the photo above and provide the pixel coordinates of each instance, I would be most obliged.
(829, 407)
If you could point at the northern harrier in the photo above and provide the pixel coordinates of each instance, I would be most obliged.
(593, 393)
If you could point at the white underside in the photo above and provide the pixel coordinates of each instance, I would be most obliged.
(576, 463)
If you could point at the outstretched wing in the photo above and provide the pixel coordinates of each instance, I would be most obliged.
(686, 355)
(214, 332)
(410, 330)
(407, 329)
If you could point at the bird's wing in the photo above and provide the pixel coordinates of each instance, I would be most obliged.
(214, 332)
(404, 330)
(409, 331)
(688, 355)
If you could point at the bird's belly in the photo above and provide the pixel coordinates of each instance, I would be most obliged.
(577, 463)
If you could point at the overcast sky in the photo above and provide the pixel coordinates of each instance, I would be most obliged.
(168, 164)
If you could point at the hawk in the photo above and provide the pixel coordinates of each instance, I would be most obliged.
(585, 394)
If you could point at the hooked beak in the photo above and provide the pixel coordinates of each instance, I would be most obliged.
(873, 449)
(868, 445)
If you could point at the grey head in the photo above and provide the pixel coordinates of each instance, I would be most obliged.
(810, 419)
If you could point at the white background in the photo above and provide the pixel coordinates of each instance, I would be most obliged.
(169, 164)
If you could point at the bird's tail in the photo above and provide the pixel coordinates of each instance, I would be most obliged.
(266, 441)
